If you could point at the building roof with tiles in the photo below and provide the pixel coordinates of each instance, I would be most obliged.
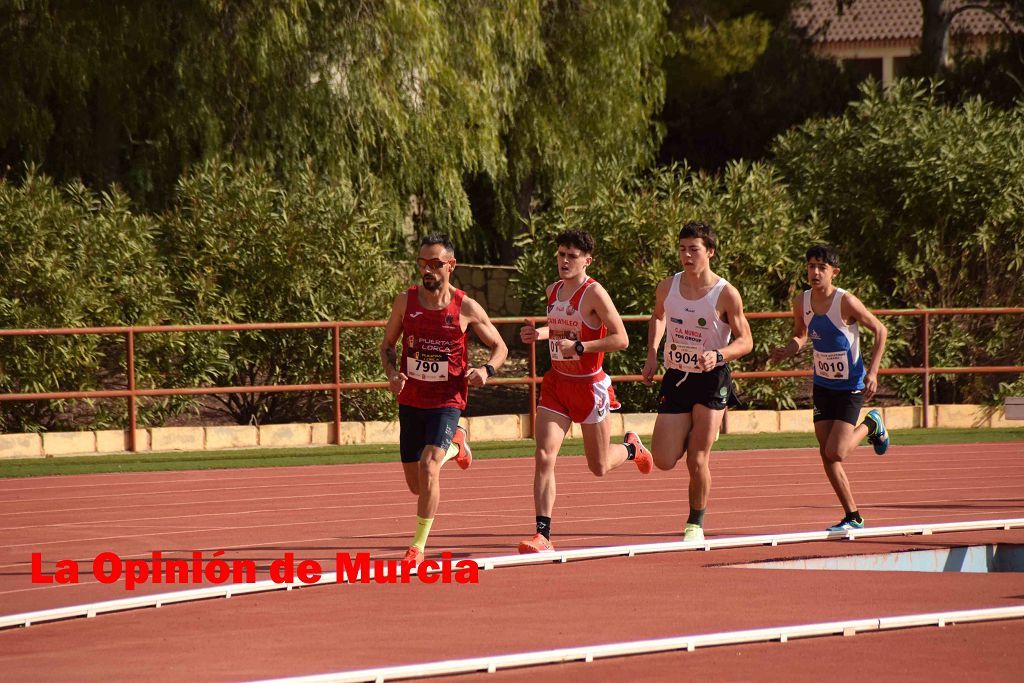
(885, 21)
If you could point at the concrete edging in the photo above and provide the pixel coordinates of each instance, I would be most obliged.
(489, 428)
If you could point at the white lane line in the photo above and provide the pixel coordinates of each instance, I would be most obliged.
(588, 653)
(488, 563)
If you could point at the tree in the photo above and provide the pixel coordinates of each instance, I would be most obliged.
(738, 75)
(418, 99)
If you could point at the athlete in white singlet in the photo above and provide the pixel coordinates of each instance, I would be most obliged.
(701, 318)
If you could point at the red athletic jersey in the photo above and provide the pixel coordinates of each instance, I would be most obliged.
(566, 322)
(434, 354)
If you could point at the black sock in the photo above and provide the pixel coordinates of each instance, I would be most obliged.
(696, 517)
(871, 423)
(544, 526)
(630, 451)
(853, 517)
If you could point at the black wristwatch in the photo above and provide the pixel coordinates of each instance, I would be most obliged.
(490, 369)
(719, 358)
(579, 347)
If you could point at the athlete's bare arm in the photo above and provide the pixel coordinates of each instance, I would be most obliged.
(392, 333)
(851, 308)
(530, 334)
(656, 330)
(799, 333)
(742, 343)
(473, 315)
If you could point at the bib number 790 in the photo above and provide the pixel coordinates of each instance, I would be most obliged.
(427, 369)
(427, 366)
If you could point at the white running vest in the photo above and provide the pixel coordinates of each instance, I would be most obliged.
(693, 327)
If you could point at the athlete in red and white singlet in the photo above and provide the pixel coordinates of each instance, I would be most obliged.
(431, 377)
(566, 322)
(583, 324)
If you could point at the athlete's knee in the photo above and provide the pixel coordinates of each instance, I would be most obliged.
(545, 458)
(664, 461)
(430, 462)
(599, 467)
(833, 454)
(696, 461)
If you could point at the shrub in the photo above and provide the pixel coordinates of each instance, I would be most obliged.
(928, 201)
(74, 258)
(244, 247)
(636, 222)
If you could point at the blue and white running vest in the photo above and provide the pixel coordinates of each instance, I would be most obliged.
(838, 364)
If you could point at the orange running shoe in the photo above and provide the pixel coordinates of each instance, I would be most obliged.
(644, 461)
(414, 555)
(465, 457)
(537, 544)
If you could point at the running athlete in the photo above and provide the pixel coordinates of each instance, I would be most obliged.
(433, 377)
(582, 325)
(698, 313)
(831, 317)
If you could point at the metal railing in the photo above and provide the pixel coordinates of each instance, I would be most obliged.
(132, 393)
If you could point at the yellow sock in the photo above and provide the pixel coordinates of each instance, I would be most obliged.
(453, 450)
(422, 531)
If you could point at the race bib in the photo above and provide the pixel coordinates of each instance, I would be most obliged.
(683, 356)
(831, 365)
(427, 367)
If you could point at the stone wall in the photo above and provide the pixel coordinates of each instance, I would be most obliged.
(489, 285)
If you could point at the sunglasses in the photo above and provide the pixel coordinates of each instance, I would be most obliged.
(431, 263)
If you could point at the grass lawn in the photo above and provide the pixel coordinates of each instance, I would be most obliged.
(340, 455)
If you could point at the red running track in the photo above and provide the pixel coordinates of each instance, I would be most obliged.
(315, 512)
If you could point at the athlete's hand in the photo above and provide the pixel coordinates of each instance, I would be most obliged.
(708, 361)
(397, 383)
(650, 369)
(477, 377)
(567, 348)
(870, 385)
(528, 333)
(779, 353)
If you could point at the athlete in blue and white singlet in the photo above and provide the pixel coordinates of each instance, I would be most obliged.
(831, 318)
(838, 364)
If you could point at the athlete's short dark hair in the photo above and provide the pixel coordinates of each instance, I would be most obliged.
(700, 229)
(825, 252)
(438, 238)
(580, 239)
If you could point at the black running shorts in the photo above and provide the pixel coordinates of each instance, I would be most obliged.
(834, 404)
(420, 427)
(680, 391)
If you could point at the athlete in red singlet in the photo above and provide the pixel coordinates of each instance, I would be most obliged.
(582, 325)
(433, 377)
